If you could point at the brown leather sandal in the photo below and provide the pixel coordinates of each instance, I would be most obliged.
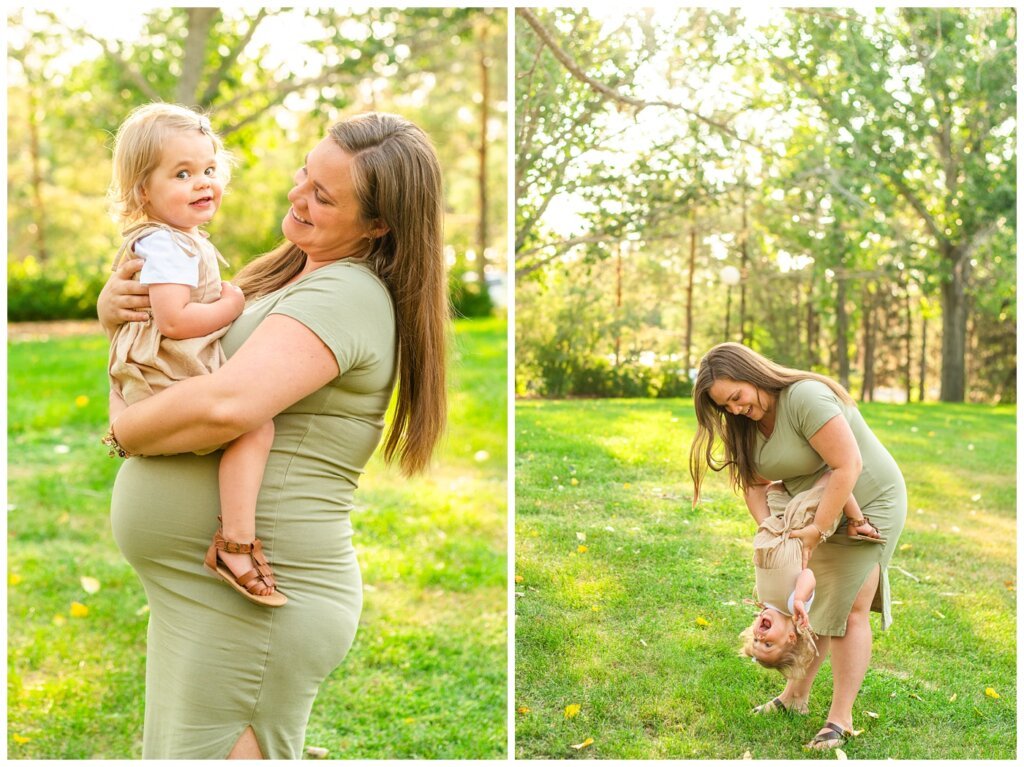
(260, 575)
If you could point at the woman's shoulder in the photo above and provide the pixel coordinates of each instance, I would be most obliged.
(351, 285)
(809, 389)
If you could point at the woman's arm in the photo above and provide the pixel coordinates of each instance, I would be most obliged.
(281, 362)
(122, 298)
(177, 316)
(836, 445)
(756, 497)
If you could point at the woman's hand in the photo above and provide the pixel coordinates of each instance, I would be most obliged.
(809, 538)
(123, 299)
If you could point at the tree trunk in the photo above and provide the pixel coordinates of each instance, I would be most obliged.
(868, 386)
(954, 325)
(921, 391)
(485, 107)
(842, 322)
(38, 219)
(744, 260)
(812, 326)
(618, 302)
(908, 342)
(688, 343)
(194, 61)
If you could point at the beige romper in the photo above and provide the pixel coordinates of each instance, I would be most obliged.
(778, 560)
(142, 361)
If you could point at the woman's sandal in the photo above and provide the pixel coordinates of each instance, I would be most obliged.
(260, 575)
(775, 705)
(854, 523)
(836, 737)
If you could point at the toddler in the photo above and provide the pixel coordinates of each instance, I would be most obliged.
(170, 170)
(780, 636)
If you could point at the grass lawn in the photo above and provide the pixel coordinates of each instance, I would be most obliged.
(426, 677)
(629, 602)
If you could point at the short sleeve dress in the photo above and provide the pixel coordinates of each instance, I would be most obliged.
(840, 565)
(215, 663)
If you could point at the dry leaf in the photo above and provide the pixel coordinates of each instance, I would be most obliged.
(702, 622)
(78, 610)
(872, 714)
(643, 643)
(976, 497)
(991, 693)
(315, 752)
(90, 585)
(746, 755)
(581, 536)
(572, 710)
(581, 549)
(952, 697)
(523, 710)
(584, 744)
(840, 754)
(915, 696)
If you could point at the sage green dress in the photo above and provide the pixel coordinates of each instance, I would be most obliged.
(217, 663)
(840, 565)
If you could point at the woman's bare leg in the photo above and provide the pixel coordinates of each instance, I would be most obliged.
(247, 746)
(851, 655)
(799, 690)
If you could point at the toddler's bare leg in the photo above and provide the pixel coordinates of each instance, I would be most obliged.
(241, 473)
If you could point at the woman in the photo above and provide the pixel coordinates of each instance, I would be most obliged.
(777, 423)
(353, 300)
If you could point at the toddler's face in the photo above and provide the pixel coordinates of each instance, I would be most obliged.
(773, 633)
(184, 190)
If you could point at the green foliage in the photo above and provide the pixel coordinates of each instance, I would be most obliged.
(33, 294)
(614, 568)
(470, 298)
(426, 677)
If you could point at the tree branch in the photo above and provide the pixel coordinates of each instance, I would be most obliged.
(229, 60)
(610, 93)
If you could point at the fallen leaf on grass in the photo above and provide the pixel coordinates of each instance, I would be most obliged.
(643, 643)
(872, 714)
(90, 585)
(702, 622)
(840, 754)
(315, 752)
(78, 610)
(746, 755)
(915, 696)
(572, 710)
(952, 697)
(1010, 586)
(581, 536)
(991, 693)
(584, 744)
(519, 579)
(523, 710)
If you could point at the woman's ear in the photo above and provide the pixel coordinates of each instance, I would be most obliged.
(378, 229)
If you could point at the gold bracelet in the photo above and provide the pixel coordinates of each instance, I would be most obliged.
(824, 536)
(116, 451)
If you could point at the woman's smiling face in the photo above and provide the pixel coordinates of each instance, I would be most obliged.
(325, 218)
(740, 398)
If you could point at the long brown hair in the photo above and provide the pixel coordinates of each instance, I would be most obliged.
(397, 180)
(737, 433)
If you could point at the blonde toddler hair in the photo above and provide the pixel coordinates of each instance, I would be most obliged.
(792, 663)
(138, 147)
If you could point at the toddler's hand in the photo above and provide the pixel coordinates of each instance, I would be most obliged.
(800, 616)
(809, 537)
(233, 296)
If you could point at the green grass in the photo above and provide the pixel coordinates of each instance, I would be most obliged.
(615, 628)
(427, 675)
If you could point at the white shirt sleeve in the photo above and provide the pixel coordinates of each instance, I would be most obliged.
(807, 604)
(166, 261)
